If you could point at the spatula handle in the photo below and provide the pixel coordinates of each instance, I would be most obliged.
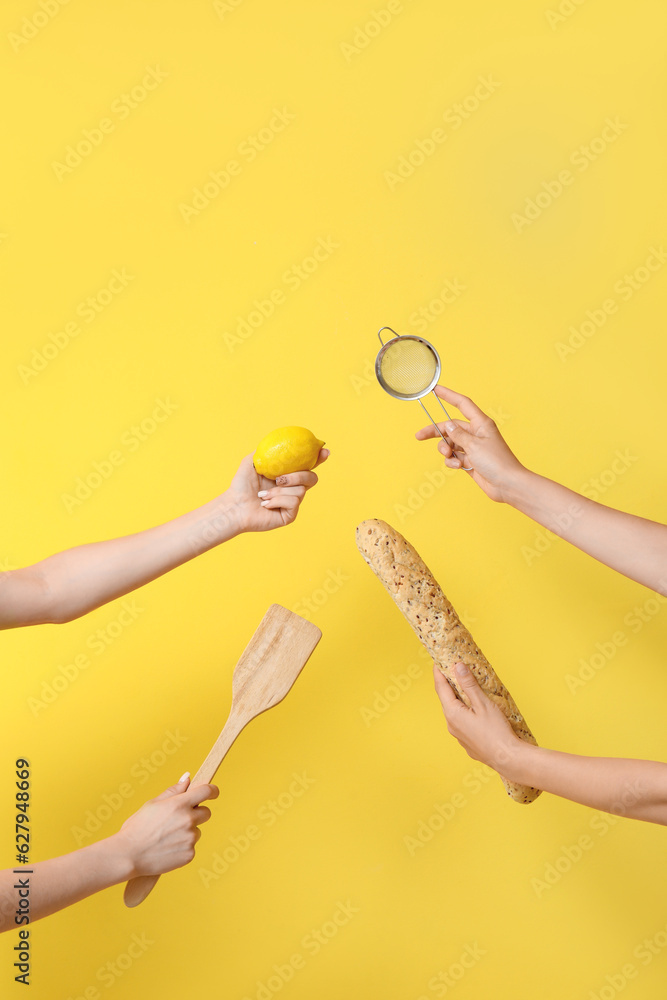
(139, 887)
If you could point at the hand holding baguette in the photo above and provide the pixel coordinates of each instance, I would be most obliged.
(418, 595)
(483, 729)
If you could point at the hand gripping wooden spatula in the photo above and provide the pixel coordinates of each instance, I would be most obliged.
(269, 665)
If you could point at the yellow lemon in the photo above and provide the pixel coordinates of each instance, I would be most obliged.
(288, 449)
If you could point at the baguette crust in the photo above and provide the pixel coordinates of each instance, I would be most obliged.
(417, 593)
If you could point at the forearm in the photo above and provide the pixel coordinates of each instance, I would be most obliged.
(626, 543)
(52, 885)
(633, 788)
(83, 578)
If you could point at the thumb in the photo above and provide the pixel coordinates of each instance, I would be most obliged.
(180, 786)
(468, 683)
(459, 435)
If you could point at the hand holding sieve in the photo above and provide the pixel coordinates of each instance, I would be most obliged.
(408, 367)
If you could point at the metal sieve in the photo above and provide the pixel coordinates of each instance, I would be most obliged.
(408, 367)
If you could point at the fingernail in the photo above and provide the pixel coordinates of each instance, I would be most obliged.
(281, 480)
(450, 426)
(263, 493)
(263, 503)
(461, 669)
(183, 777)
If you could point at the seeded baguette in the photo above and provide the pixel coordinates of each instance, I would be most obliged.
(417, 593)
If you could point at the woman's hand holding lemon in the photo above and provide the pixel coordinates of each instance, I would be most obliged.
(270, 485)
(72, 583)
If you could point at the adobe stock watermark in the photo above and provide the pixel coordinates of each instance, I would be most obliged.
(581, 159)
(111, 802)
(88, 310)
(444, 812)
(562, 13)
(362, 379)
(625, 289)
(454, 117)
(130, 441)
(648, 949)
(247, 151)
(427, 314)
(416, 497)
(311, 944)
(268, 814)
(225, 7)
(600, 824)
(399, 683)
(331, 584)
(35, 22)
(444, 981)
(113, 970)
(291, 281)
(98, 642)
(593, 489)
(121, 108)
(364, 34)
(605, 651)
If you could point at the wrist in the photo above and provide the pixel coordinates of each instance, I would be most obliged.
(519, 487)
(514, 760)
(113, 859)
(230, 514)
(217, 521)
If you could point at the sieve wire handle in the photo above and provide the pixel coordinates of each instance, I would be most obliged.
(436, 426)
(390, 331)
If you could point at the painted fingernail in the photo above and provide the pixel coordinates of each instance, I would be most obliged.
(263, 503)
(183, 777)
(263, 493)
(281, 480)
(461, 669)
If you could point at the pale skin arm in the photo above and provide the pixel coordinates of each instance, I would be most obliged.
(633, 788)
(159, 837)
(72, 583)
(631, 545)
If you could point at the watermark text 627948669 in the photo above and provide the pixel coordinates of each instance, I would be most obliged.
(22, 811)
(22, 883)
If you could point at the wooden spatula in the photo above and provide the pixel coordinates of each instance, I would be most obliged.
(269, 665)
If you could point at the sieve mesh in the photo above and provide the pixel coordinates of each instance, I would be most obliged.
(408, 367)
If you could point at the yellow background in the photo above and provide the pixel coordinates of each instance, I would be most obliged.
(356, 112)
